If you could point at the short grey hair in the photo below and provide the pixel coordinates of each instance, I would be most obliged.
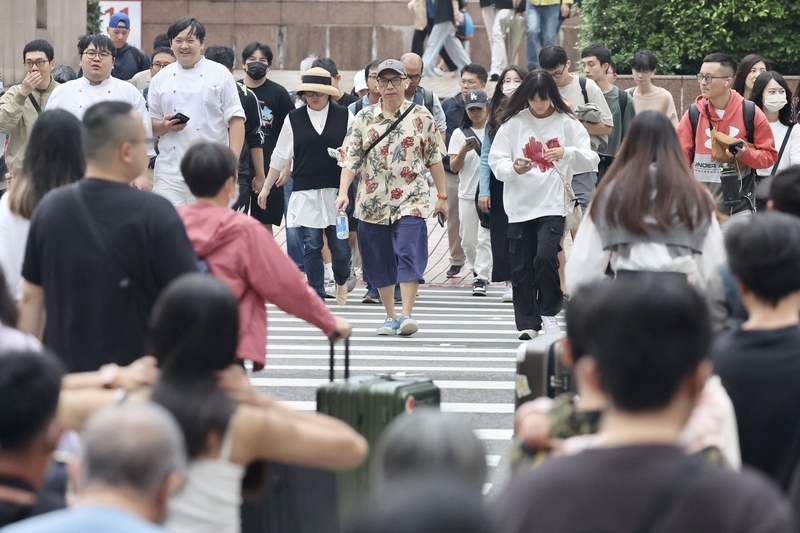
(133, 446)
(429, 442)
(307, 63)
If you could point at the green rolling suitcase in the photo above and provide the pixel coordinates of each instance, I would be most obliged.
(369, 404)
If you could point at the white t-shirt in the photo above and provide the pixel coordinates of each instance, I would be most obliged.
(791, 154)
(13, 238)
(312, 208)
(574, 95)
(77, 96)
(207, 94)
(469, 175)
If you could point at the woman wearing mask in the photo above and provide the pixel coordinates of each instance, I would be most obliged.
(464, 150)
(771, 93)
(749, 69)
(537, 148)
(648, 214)
(490, 189)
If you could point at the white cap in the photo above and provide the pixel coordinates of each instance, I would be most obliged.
(359, 81)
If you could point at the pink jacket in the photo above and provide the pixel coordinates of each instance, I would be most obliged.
(242, 253)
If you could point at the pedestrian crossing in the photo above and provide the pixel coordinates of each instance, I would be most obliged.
(466, 344)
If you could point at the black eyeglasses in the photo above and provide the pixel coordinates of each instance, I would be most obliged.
(91, 54)
(708, 77)
(383, 82)
(39, 63)
(415, 77)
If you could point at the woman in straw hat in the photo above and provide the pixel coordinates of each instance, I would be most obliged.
(305, 139)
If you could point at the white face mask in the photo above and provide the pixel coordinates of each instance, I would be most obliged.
(509, 88)
(775, 102)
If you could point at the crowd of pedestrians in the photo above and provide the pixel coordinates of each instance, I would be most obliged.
(137, 258)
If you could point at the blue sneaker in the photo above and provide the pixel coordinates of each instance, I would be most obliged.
(371, 296)
(389, 327)
(406, 326)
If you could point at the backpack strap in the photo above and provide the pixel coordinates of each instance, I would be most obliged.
(749, 120)
(242, 87)
(694, 118)
(427, 99)
(359, 105)
(582, 82)
(137, 56)
(780, 152)
(469, 132)
(623, 105)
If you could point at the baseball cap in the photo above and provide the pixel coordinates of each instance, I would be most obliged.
(476, 98)
(360, 81)
(392, 64)
(120, 20)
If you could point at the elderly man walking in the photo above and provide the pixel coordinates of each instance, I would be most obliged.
(392, 144)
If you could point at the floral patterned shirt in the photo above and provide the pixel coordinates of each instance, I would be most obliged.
(392, 176)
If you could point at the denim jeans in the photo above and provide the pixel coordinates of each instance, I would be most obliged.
(294, 241)
(312, 257)
(542, 30)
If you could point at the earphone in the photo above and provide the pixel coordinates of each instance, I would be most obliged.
(727, 83)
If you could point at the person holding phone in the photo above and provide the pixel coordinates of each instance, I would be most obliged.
(538, 146)
(465, 159)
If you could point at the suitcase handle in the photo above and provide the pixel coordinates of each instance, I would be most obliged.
(333, 339)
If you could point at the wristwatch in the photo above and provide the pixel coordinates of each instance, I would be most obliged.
(109, 374)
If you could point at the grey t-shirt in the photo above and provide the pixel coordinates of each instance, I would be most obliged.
(621, 123)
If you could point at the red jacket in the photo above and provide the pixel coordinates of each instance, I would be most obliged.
(732, 123)
(242, 253)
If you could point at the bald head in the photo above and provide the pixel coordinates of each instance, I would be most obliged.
(413, 65)
(134, 447)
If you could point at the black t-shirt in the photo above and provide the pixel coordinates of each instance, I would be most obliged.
(760, 369)
(347, 99)
(12, 512)
(443, 11)
(275, 105)
(617, 489)
(98, 308)
(252, 129)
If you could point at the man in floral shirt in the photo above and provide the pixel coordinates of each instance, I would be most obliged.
(393, 196)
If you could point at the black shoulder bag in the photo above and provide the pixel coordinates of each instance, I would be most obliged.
(390, 128)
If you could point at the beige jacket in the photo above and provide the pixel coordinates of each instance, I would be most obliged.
(17, 116)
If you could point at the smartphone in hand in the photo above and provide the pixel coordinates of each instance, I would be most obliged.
(440, 218)
(182, 119)
(522, 161)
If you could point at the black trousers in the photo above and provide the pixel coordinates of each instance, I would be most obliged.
(533, 248)
(498, 229)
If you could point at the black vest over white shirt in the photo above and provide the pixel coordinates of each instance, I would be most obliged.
(313, 167)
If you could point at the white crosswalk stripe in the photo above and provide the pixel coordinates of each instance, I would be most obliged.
(466, 344)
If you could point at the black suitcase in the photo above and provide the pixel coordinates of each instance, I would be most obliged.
(539, 370)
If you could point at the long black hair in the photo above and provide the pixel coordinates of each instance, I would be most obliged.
(499, 98)
(194, 330)
(53, 157)
(537, 83)
(785, 115)
(743, 70)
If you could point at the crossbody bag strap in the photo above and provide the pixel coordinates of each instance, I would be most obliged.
(470, 132)
(780, 152)
(36, 105)
(390, 128)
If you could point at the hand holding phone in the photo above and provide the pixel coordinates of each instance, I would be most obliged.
(471, 140)
(522, 162)
(182, 119)
(440, 218)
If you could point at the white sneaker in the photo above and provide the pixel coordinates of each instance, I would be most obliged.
(528, 334)
(330, 288)
(550, 325)
(508, 294)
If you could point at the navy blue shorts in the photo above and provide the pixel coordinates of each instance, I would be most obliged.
(393, 253)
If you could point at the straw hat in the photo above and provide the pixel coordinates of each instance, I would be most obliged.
(317, 80)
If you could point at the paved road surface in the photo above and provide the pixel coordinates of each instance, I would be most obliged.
(466, 344)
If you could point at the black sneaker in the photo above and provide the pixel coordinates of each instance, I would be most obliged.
(454, 271)
(495, 77)
(479, 287)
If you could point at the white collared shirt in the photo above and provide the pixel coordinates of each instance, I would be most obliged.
(312, 208)
(78, 95)
(207, 94)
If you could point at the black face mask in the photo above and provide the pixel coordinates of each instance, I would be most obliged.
(256, 70)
